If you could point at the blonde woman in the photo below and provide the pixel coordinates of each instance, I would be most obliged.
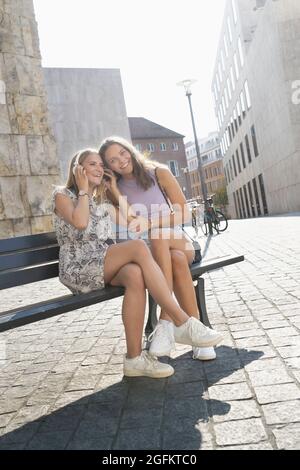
(90, 259)
(151, 189)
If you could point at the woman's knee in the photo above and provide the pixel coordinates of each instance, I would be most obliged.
(134, 277)
(139, 248)
(179, 262)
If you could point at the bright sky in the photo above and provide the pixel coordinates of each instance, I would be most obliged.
(155, 44)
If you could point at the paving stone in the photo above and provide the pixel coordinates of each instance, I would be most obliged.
(238, 391)
(49, 441)
(146, 438)
(237, 410)
(282, 412)
(258, 446)
(274, 393)
(289, 351)
(288, 437)
(240, 432)
(264, 364)
(269, 377)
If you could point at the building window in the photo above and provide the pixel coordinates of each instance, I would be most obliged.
(220, 72)
(241, 54)
(234, 11)
(251, 199)
(151, 147)
(239, 204)
(248, 149)
(232, 127)
(236, 66)
(263, 194)
(238, 107)
(138, 147)
(231, 172)
(243, 205)
(243, 154)
(234, 166)
(222, 60)
(163, 147)
(229, 29)
(229, 89)
(235, 205)
(248, 100)
(242, 99)
(173, 165)
(225, 45)
(246, 200)
(235, 120)
(232, 79)
(238, 161)
(254, 141)
(258, 210)
(175, 146)
(226, 98)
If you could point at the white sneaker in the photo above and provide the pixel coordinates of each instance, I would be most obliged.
(146, 366)
(194, 333)
(204, 354)
(162, 339)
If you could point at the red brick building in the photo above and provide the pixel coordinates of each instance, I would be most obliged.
(164, 145)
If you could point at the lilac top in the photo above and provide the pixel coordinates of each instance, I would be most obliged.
(147, 203)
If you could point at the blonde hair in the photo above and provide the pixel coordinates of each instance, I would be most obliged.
(141, 165)
(78, 159)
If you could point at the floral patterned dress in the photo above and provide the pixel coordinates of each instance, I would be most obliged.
(82, 252)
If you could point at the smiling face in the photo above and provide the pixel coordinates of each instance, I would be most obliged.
(94, 168)
(119, 160)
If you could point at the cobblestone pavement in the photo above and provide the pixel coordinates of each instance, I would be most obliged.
(61, 384)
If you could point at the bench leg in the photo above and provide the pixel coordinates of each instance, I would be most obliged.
(152, 316)
(200, 294)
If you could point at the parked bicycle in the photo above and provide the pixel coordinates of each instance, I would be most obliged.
(212, 219)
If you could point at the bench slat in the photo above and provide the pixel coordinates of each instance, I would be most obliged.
(28, 258)
(32, 313)
(26, 276)
(215, 263)
(8, 245)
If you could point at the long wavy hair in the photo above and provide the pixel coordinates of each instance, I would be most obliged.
(141, 165)
(78, 159)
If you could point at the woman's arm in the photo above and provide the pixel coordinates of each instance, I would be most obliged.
(174, 193)
(77, 215)
(122, 213)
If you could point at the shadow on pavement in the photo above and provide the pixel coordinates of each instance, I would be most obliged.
(137, 413)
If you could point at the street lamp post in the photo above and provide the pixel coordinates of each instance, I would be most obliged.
(187, 86)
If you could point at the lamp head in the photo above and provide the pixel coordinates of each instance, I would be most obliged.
(187, 84)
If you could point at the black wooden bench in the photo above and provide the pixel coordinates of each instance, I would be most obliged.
(34, 258)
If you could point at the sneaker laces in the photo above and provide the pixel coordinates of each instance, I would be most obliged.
(149, 360)
(157, 329)
(162, 331)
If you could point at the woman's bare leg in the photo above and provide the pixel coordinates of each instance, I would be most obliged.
(136, 251)
(174, 255)
(161, 253)
(133, 308)
(183, 284)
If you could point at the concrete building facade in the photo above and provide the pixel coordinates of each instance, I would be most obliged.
(163, 145)
(212, 163)
(86, 105)
(28, 158)
(257, 105)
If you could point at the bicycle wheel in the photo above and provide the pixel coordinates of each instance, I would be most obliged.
(222, 222)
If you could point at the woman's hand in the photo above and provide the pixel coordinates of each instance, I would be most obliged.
(110, 181)
(81, 178)
(139, 225)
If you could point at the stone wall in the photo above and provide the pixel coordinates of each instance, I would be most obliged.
(28, 157)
